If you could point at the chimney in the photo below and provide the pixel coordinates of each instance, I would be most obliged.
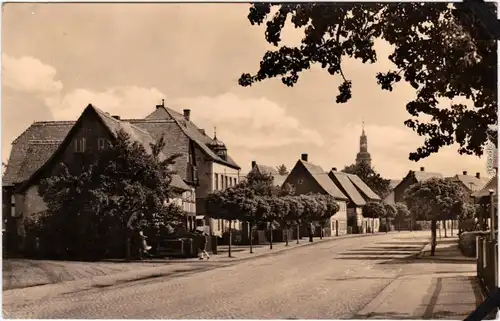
(334, 169)
(116, 117)
(187, 113)
(422, 169)
(162, 104)
(203, 131)
(304, 157)
(254, 163)
(464, 173)
(478, 175)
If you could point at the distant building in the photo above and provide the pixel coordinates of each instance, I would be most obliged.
(471, 183)
(358, 194)
(389, 199)
(363, 155)
(411, 178)
(307, 178)
(278, 179)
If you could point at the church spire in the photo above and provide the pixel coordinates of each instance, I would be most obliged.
(363, 155)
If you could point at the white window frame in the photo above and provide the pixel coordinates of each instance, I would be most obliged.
(80, 145)
(102, 144)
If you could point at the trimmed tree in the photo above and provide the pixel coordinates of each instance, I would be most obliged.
(126, 187)
(295, 213)
(433, 200)
(390, 213)
(373, 210)
(279, 209)
(402, 213)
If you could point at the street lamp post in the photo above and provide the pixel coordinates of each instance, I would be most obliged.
(492, 216)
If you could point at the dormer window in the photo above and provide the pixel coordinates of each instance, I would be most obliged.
(102, 144)
(80, 145)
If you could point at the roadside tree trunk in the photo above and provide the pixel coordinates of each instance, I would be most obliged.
(387, 225)
(251, 236)
(271, 236)
(286, 234)
(433, 237)
(445, 229)
(230, 238)
(298, 232)
(373, 225)
(127, 248)
(321, 233)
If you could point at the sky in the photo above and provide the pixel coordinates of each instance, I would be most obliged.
(124, 58)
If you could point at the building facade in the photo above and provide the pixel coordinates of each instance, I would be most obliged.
(307, 178)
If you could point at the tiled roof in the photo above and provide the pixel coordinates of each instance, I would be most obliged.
(421, 176)
(264, 169)
(365, 189)
(193, 132)
(347, 187)
(394, 183)
(390, 199)
(492, 184)
(50, 132)
(38, 144)
(471, 182)
(323, 180)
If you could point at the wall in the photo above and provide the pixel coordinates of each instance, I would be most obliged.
(400, 190)
(341, 217)
(212, 176)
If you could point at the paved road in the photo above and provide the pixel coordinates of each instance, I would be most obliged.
(330, 280)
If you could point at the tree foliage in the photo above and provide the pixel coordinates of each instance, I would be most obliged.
(127, 186)
(367, 174)
(390, 211)
(438, 49)
(282, 170)
(373, 209)
(402, 211)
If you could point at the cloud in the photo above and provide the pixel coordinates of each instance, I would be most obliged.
(128, 102)
(251, 123)
(29, 75)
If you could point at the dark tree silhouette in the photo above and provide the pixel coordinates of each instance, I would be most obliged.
(440, 50)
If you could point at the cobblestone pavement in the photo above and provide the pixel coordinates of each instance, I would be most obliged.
(329, 280)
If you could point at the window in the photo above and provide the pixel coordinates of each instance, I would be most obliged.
(226, 182)
(216, 182)
(102, 144)
(79, 145)
(218, 224)
(222, 182)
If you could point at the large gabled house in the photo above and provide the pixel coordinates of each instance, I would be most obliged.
(411, 178)
(307, 178)
(213, 167)
(358, 194)
(76, 147)
(203, 167)
(389, 199)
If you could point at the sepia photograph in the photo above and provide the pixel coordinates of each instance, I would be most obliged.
(236, 160)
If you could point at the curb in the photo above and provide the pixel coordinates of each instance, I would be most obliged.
(371, 307)
(255, 255)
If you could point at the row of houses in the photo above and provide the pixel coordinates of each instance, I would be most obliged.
(349, 191)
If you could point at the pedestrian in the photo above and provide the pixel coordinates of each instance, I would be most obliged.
(143, 246)
(202, 244)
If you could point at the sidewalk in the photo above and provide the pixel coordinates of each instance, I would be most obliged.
(242, 252)
(451, 296)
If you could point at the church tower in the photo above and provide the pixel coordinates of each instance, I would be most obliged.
(363, 155)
